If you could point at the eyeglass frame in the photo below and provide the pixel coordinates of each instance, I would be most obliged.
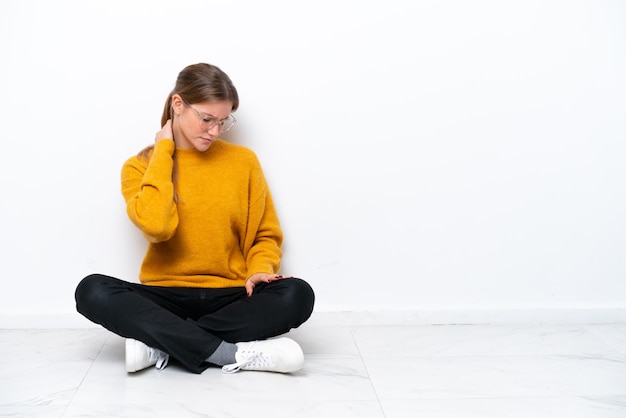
(213, 121)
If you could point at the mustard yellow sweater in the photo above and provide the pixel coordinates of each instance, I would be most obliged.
(222, 229)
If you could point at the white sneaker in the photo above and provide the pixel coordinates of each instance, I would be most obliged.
(139, 356)
(282, 355)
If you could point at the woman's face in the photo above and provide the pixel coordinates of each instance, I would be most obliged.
(195, 126)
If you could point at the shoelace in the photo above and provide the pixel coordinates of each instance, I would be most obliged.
(160, 357)
(251, 359)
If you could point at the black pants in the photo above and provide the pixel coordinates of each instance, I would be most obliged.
(190, 323)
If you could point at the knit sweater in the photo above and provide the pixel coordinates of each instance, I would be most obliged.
(221, 229)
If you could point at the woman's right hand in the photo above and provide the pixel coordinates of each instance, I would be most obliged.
(165, 132)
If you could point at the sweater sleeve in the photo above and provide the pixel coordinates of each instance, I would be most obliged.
(264, 236)
(148, 189)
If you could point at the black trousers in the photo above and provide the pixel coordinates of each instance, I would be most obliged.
(190, 323)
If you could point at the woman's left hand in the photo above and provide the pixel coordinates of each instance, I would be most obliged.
(259, 278)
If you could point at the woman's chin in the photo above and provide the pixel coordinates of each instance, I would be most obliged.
(203, 145)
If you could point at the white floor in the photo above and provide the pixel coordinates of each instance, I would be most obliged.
(461, 371)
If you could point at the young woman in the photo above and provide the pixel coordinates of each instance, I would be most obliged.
(210, 292)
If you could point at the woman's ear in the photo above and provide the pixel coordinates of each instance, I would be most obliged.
(177, 104)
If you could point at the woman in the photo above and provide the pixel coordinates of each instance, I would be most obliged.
(210, 292)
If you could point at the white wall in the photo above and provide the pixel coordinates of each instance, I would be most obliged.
(424, 155)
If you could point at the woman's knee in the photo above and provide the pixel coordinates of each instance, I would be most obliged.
(91, 292)
(300, 297)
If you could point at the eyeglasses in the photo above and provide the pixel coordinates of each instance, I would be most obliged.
(209, 122)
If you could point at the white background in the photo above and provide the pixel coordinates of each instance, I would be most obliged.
(428, 155)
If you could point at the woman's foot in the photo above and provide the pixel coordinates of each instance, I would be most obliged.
(139, 356)
(282, 355)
